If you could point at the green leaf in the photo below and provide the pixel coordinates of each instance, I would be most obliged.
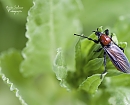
(29, 90)
(90, 85)
(9, 71)
(123, 44)
(114, 38)
(78, 55)
(59, 68)
(50, 25)
(87, 46)
(94, 64)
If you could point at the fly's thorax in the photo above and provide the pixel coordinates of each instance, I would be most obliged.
(105, 40)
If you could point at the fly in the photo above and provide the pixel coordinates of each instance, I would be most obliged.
(114, 52)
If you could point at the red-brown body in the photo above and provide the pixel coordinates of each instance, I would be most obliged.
(104, 39)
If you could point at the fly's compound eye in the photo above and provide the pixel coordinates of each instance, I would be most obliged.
(97, 33)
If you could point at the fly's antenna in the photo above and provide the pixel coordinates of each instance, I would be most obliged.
(96, 41)
(81, 35)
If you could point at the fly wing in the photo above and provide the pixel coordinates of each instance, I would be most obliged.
(118, 58)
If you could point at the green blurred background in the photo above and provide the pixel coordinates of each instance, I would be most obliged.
(94, 13)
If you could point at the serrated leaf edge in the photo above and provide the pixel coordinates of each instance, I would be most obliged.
(12, 87)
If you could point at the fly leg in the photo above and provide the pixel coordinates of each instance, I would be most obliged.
(117, 45)
(95, 41)
(105, 70)
(121, 49)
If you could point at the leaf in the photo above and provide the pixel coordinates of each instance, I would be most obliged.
(123, 44)
(90, 85)
(9, 73)
(59, 68)
(50, 25)
(78, 55)
(29, 90)
(87, 46)
(94, 64)
(114, 38)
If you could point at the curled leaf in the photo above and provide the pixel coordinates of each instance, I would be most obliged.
(59, 68)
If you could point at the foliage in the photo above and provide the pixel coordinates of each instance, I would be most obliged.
(35, 71)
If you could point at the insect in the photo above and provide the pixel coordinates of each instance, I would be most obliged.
(114, 52)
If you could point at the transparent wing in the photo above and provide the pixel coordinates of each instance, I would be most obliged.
(118, 58)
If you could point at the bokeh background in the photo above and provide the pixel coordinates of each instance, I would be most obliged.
(93, 13)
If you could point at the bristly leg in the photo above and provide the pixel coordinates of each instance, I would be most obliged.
(116, 44)
(105, 70)
(95, 41)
